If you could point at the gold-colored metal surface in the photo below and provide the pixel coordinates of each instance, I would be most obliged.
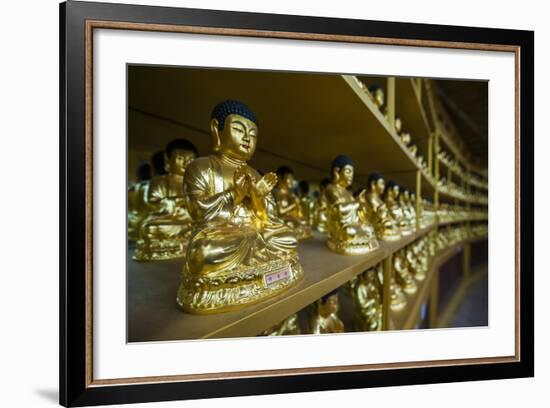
(164, 233)
(324, 318)
(384, 224)
(367, 299)
(138, 208)
(240, 252)
(288, 326)
(395, 210)
(289, 206)
(349, 231)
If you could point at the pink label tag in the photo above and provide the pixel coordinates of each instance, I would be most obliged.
(274, 277)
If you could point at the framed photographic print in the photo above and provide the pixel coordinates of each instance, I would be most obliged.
(255, 203)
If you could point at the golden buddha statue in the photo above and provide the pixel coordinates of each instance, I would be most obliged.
(418, 264)
(288, 326)
(137, 201)
(391, 194)
(398, 125)
(385, 226)
(289, 207)
(367, 299)
(325, 317)
(164, 233)
(408, 211)
(240, 251)
(403, 275)
(322, 207)
(398, 300)
(349, 231)
(378, 97)
(306, 202)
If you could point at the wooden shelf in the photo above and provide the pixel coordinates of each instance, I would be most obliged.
(153, 314)
(408, 317)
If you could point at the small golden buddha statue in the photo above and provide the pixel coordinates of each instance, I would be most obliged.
(367, 299)
(385, 226)
(398, 300)
(166, 230)
(137, 201)
(289, 207)
(391, 195)
(321, 207)
(287, 327)
(408, 211)
(406, 140)
(398, 125)
(307, 202)
(349, 231)
(325, 317)
(378, 97)
(403, 274)
(416, 263)
(240, 251)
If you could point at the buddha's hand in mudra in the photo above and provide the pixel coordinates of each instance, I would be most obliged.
(241, 184)
(264, 185)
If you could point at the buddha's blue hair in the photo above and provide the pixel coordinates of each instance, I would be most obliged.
(231, 107)
(340, 161)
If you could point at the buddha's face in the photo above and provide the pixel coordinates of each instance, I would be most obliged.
(328, 306)
(288, 181)
(393, 192)
(406, 195)
(379, 96)
(398, 125)
(344, 176)
(379, 186)
(178, 161)
(238, 138)
(406, 138)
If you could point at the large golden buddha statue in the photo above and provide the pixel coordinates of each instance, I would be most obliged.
(137, 201)
(349, 231)
(321, 207)
(391, 199)
(289, 207)
(367, 298)
(165, 232)
(325, 317)
(385, 226)
(240, 251)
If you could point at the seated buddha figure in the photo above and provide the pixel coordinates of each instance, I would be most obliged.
(398, 300)
(377, 96)
(385, 226)
(408, 211)
(288, 203)
(349, 231)
(288, 326)
(320, 219)
(164, 233)
(240, 252)
(417, 260)
(306, 201)
(325, 316)
(137, 201)
(403, 274)
(391, 199)
(367, 300)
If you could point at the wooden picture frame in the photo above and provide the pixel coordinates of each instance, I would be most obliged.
(77, 23)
